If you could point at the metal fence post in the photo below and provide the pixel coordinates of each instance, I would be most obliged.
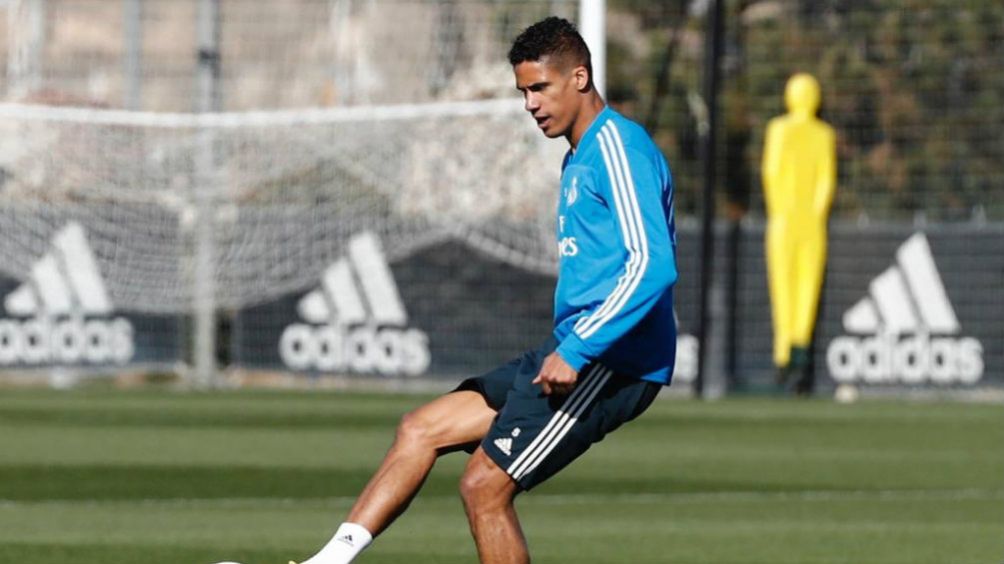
(711, 348)
(204, 197)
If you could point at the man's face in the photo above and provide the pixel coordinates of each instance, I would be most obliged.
(550, 95)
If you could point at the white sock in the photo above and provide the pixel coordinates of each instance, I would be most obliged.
(349, 540)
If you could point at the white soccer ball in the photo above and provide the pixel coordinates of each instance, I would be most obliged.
(846, 393)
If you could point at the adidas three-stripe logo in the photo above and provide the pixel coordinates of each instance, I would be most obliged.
(909, 328)
(907, 298)
(356, 320)
(339, 301)
(61, 299)
(64, 281)
(504, 444)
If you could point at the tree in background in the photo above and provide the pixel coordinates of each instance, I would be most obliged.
(914, 88)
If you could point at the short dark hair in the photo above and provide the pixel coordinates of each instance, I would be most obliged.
(551, 37)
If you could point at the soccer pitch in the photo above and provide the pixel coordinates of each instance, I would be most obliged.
(117, 477)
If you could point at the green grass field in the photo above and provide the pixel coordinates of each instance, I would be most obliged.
(117, 477)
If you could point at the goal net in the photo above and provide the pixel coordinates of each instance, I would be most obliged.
(280, 192)
(254, 206)
(135, 236)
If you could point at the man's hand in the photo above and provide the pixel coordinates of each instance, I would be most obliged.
(556, 376)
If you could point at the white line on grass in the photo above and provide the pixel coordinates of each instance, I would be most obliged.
(559, 499)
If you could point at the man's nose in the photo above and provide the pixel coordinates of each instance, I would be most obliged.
(531, 103)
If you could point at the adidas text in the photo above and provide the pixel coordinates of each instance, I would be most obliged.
(40, 341)
(364, 349)
(906, 328)
(916, 359)
(356, 320)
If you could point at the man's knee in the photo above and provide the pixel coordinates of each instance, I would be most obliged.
(446, 423)
(484, 485)
(472, 482)
(413, 431)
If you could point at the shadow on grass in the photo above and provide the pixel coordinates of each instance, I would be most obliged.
(111, 483)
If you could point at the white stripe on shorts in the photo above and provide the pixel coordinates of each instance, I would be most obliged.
(561, 422)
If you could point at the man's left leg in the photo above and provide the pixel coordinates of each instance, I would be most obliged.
(534, 436)
(488, 494)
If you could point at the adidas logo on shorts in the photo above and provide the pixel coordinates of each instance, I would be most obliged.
(356, 320)
(906, 329)
(504, 444)
(62, 314)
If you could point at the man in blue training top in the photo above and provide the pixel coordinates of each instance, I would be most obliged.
(614, 339)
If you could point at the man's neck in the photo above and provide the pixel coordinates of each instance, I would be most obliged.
(591, 107)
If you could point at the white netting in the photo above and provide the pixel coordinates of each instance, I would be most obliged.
(280, 192)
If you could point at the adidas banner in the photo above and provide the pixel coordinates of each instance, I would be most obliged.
(914, 308)
(901, 308)
(445, 311)
(61, 312)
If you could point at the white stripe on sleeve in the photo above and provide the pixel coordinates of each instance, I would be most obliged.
(629, 214)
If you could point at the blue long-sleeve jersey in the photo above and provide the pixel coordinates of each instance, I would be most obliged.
(617, 248)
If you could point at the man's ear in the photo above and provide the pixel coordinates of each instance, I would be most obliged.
(581, 75)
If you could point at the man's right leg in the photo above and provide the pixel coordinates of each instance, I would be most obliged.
(438, 427)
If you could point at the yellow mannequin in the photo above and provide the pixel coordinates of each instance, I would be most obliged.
(799, 177)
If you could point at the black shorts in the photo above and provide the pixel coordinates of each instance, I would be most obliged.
(535, 435)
